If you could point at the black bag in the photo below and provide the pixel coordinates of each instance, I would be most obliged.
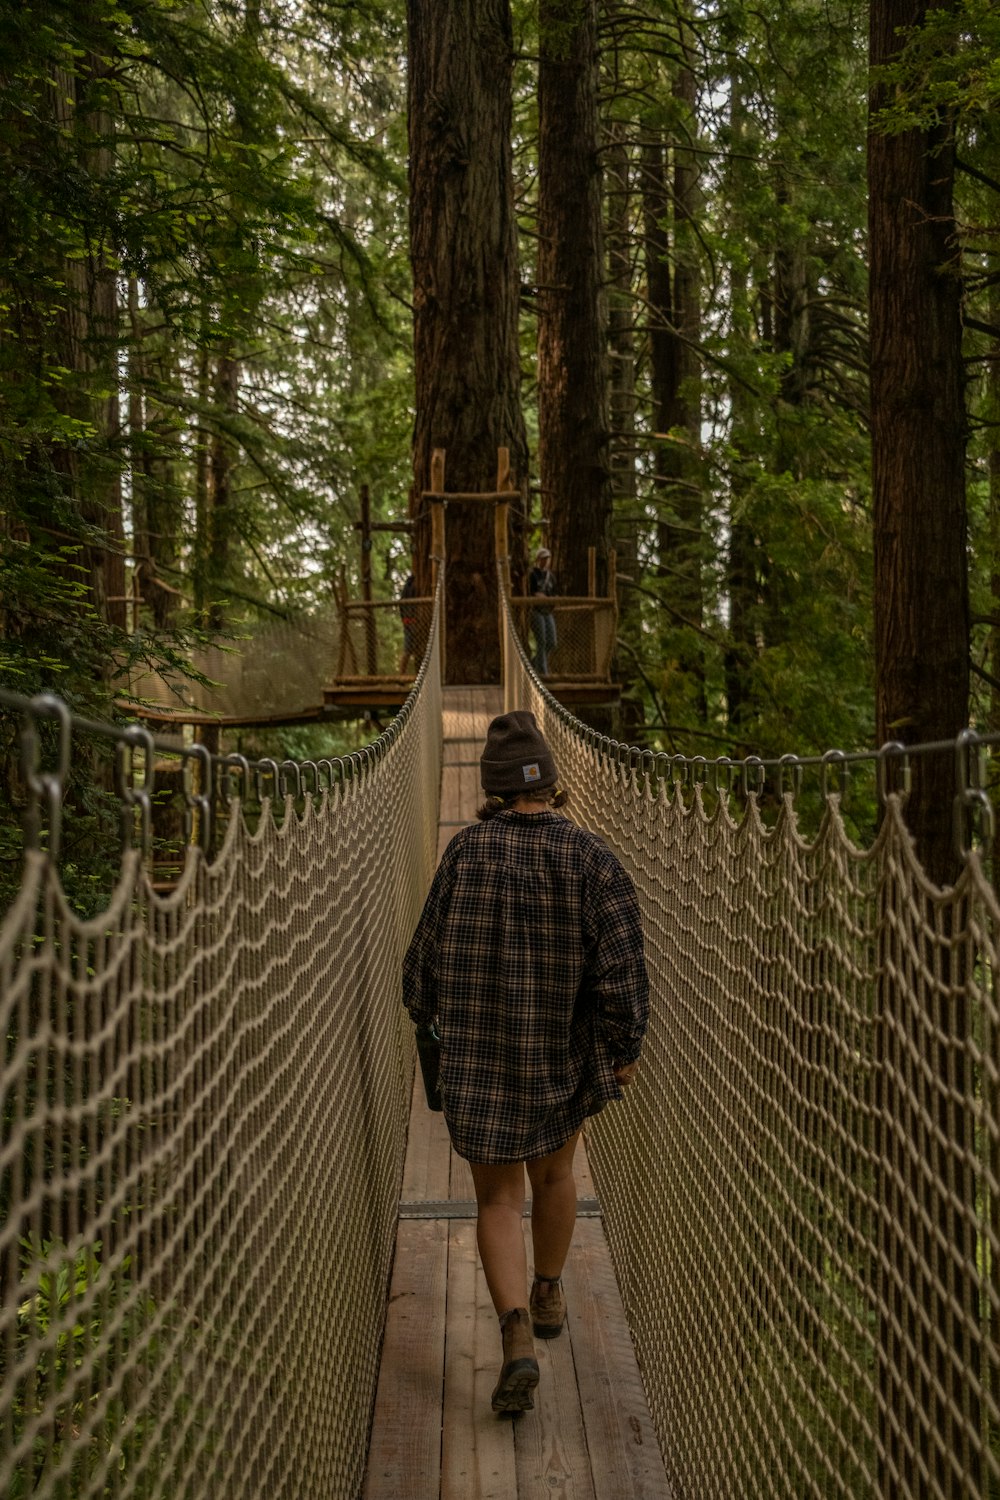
(429, 1053)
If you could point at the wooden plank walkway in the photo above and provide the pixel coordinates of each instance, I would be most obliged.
(434, 1435)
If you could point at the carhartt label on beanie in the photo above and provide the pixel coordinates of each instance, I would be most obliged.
(516, 757)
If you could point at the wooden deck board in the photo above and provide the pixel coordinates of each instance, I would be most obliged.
(427, 1170)
(434, 1436)
(404, 1456)
(478, 1454)
(551, 1448)
(624, 1451)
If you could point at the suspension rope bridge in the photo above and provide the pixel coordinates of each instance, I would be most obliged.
(206, 1098)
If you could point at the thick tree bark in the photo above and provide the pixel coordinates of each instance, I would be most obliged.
(466, 286)
(86, 344)
(918, 450)
(927, 1332)
(573, 451)
(785, 298)
(622, 415)
(202, 483)
(164, 507)
(741, 647)
(991, 1078)
(673, 292)
(621, 318)
(742, 563)
(224, 456)
(157, 508)
(684, 543)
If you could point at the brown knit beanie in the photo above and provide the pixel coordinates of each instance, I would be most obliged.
(516, 757)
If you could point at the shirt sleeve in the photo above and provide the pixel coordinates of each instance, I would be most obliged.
(618, 977)
(420, 973)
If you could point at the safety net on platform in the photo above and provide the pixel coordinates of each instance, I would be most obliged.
(204, 1098)
(802, 1190)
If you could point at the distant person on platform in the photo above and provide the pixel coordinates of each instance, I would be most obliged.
(408, 615)
(542, 585)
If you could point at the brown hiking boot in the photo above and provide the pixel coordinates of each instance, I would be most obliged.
(519, 1375)
(548, 1307)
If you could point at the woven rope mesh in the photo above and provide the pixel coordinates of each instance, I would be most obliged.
(204, 1111)
(802, 1191)
(204, 1101)
(281, 667)
(568, 640)
(379, 640)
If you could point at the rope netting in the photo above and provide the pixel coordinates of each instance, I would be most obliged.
(204, 1112)
(382, 639)
(204, 1101)
(802, 1192)
(568, 640)
(268, 669)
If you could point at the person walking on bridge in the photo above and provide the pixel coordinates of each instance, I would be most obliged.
(529, 957)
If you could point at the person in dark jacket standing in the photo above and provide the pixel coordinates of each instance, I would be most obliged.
(542, 586)
(529, 957)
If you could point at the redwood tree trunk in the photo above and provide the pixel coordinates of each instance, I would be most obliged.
(87, 341)
(222, 464)
(466, 285)
(918, 449)
(928, 1331)
(673, 310)
(743, 583)
(622, 414)
(684, 540)
(573, 442)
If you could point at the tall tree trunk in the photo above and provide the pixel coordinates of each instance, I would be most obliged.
(661, 317)
(200, 562)
(918, 449)
(621, 320)
(164, 501)
(157, 510)
(785, 299)
(87, 342)
(223, 463)
(741, 645)
(466, 286)
(742, 562)
(922, 684)
(573, 451)
(673, 292)
(684, 543)
(991, 1077)
(622, 415)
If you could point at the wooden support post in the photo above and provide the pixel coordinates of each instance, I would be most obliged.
(602, 661)
(501, 516)
(592, 572)
(371, 650)
(438, 546)
(502, 512)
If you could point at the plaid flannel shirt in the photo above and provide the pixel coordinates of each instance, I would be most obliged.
(529, 954)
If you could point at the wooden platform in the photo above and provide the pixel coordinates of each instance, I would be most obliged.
(434, 1436)
(389, 692)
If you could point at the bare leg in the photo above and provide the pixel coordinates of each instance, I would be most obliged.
(553, 1209)
(499, 1233)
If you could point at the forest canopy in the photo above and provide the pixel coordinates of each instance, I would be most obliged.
(207, 337)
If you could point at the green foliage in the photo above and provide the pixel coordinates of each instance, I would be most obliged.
(948, 65)
(187, 191)
(778, 656)
(84, 1376)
